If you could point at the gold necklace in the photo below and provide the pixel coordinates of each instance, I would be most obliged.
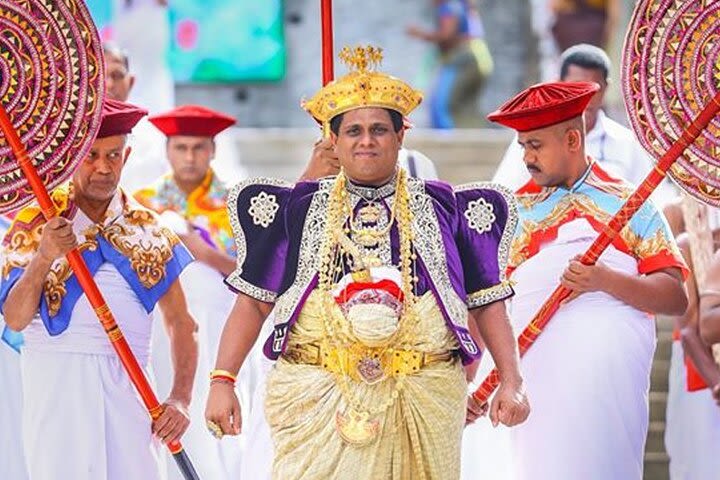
(357, 424)
(370, 237)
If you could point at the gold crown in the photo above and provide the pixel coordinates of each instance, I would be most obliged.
(362, 87)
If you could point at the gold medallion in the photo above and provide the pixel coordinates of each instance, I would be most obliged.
(366, 238)
(369, 214)
(370, 370)
(356, 428)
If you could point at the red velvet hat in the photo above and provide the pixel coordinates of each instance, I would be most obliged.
(118, 118)
(192, 120)
(544, 105)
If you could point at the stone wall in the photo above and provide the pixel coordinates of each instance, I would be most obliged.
(380, 22)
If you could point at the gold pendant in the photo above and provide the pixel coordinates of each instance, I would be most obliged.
(362, 275)
(372, 261)
(369, 214)
(356, 428)
(366, 238)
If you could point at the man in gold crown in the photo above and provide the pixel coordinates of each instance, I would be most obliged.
(380, 287)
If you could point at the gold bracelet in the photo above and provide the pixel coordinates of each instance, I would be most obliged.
(218, 373)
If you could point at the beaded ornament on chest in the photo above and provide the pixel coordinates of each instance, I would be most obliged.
(357, 270)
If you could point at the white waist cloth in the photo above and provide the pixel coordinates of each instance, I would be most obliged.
(12, 458)
(82, 418)
(85, 334)
(587, 376)
(692, 426)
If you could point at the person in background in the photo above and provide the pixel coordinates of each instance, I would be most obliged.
(146, 141)
(192, 200)
(692, 420)
(465, 64)
(12, 455)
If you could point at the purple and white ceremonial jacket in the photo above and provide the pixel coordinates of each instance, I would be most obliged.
(462, 238)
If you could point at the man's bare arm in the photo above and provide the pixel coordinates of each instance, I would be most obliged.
(182, 330)
(494, 327)
(688, 324)
(239, 335)
(241, 332)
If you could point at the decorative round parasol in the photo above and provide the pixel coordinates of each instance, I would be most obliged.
(671, 70)
(51, 94)
(51, 85)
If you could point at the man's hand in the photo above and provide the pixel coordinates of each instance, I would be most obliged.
(324, 161)
(510, 405)
(173, 422)
(475, 410)
(716, 394)
(223, 408)
(57, 239)
(582, 278)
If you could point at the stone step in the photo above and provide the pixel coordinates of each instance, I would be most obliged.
(664, 324)
(656, 438)
(663, 351)
(658, 406)
(656, 460)
(656, 466)
(659, 376)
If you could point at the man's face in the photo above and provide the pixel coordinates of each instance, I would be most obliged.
(580, 74)
(118, 81)
(548, 154)
(367, 145)
(190, 157)
(98, 176)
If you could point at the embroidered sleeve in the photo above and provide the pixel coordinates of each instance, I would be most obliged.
(652, 243)
(20, 243)
(257, 210)
(487, 221)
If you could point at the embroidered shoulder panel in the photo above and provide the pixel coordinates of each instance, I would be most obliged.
(235, 278)
(504, 288)
(135, 234)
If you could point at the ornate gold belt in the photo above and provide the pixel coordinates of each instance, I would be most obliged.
(363, 363)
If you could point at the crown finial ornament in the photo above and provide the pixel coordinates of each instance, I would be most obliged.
(361, 59)
(362, 87)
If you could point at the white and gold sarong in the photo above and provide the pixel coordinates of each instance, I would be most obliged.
(419, 434)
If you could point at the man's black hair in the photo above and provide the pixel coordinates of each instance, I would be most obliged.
(586, 56)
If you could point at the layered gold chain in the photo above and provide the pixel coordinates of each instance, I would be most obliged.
(336, 244)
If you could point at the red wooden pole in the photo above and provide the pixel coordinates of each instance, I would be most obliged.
(328, 70)
(115, 335)
(618, 222)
